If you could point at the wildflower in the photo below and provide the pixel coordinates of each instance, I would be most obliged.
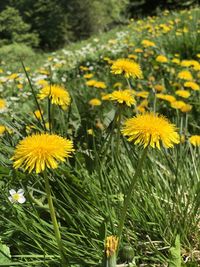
(106, 97)
(84, 68)
(186, 108)
(169, 98)
(111, 245)
(142, 94)
(176, 61)
(17, 197)
(161, 59)
(90, 132)
(91, 82)
(178, 104)
(2, 104)
(100, 85)
(2, 129)
(40, 151)
(138, 50)
(195, 140)
(147, 43)
(151, 129)
(42, 83)
(127, 67)
(159, 87)
(95, 102)
(194, 86)
(183, 93)
(185, 75)
(88, 75)
(13, 76)
(57, 94)
(123, 97)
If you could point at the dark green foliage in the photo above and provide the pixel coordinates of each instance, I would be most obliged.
(148, 7)
(93, 16)
(14, 29)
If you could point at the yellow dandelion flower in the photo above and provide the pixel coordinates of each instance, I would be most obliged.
(138, 50)
(90, 132)
(169, 98)
(183, 93)
(195, 140)
(57, 94)
(161, 59)
(42, 83)
(43, 71)
(123, 97)
(90, 82)
(176, 61)
(178, 104)
(13, 76)
(95, 102)
(127, 67)
(100, 85)
(185, 75)
(41, 151)
(143, 94)
(84, 68)
(2, 129)
(88, 76)
(194, 86)
(132, 56)
(186, 108)
(2, 104)
(151, 129)
(111, 245)
(147, 43)
(159, 87)
(106, 97)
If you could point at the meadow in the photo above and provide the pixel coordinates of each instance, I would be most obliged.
(100, 148)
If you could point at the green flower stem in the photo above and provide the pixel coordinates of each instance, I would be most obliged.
(118, 121)
(129, 194)
(54, 220)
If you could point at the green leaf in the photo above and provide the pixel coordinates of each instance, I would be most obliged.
(175, 254)
(5, 256)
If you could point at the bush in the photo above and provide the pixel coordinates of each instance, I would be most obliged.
(14, 52)
(14, 29)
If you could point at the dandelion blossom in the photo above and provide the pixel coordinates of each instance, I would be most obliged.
(2, 104)
(183, 93)
(95, 102)
(151, 129)
(185, 75)
(123, 97)
(127, 67)
(195, 140)
(111, 245)
(57, 94)
(40, 151)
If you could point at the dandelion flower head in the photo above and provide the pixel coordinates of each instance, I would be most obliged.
(123, 97)
(41, 151)
(195, 140)
(127, 67)
(151, 129)
(57, 94)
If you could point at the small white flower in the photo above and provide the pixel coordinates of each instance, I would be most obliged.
(17, 197)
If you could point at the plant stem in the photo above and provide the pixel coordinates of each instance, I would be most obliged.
(129, 194)
(118, 121)
(54, 220)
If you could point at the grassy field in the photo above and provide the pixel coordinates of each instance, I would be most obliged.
(126, 192)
